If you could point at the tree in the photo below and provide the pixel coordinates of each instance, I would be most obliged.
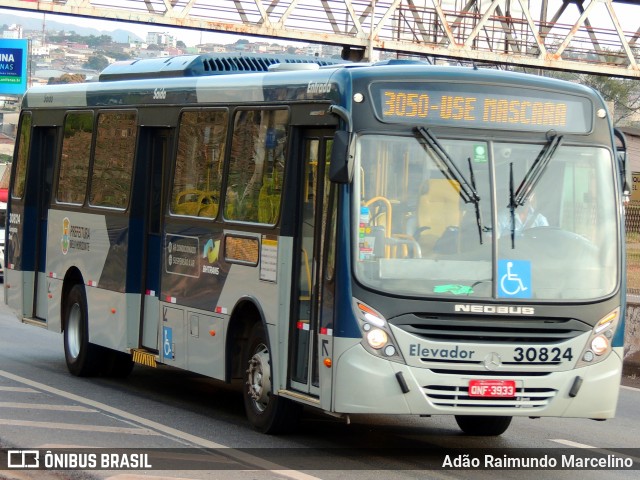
(97, 62)
(100, 41)
(181, 44)
(67, 78)
(117, 55)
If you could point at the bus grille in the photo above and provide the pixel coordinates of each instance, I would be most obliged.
(456, 396)
(492, 330)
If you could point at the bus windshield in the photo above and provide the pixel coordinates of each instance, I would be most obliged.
(435, 216)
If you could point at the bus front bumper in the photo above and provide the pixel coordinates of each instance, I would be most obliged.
(368, 384)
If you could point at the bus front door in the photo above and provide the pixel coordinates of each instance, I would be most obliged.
(48, 150)
(35, 207)
(313, 282)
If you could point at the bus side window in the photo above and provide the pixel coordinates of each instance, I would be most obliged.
(113, 159)
(201, 150)
(24, 145)
(256, 168)
(74, 161)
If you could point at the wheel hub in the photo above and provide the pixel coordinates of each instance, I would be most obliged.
(74, 332)
(259, 378)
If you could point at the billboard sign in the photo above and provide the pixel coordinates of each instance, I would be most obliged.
(13, 66)
(635, 186)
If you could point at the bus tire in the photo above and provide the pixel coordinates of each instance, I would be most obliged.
(484, 426)
(82, 357)
(267, 412)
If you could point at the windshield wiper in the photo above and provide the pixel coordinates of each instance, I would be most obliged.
(450, 170)
(530, 180)
(534, 174)
(477, 201)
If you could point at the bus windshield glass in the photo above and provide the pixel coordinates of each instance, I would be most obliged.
(429, 223)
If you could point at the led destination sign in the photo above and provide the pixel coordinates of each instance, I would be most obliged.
(482, 106)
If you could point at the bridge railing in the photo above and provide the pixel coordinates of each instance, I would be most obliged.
(584, 36)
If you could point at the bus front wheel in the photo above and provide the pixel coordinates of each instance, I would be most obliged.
(486, 426)
(267, 412)
(82, 357)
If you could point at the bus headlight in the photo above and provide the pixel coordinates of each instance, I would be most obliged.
(377, 337)
(599, 343)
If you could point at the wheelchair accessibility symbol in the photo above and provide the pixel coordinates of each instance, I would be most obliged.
(167, 343)
(514, 278)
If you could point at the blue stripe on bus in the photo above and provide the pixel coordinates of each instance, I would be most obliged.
(30, 225)
(134, 249)
(346, 323)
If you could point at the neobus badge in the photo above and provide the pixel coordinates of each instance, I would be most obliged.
(502, 309)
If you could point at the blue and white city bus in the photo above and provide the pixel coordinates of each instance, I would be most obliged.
(390, 238)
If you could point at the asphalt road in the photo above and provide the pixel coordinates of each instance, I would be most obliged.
(200, 423)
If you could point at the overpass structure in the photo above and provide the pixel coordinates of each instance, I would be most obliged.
(590, 36)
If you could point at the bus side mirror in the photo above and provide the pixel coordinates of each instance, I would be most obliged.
(341, 166)
(621, 153)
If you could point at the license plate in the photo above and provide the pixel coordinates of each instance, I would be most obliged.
(492, 388)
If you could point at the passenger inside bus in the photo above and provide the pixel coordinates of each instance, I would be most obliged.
(524, 217)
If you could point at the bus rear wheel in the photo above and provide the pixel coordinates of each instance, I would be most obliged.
(82, 357)
(267, 412)
(486, 426)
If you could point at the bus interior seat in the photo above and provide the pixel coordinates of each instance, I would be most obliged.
(209, 205)
(196, 203)
(268, 202)
(438, 209)
(381, 219)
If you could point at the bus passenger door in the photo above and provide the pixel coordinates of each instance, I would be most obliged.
(156, 145)
(37, 200)
(45, 144)
(313, 288)
(26, 246)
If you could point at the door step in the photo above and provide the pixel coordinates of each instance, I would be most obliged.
(38, 322)
(301, 397)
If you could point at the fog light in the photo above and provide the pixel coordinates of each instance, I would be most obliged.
(588, 356)
(389, 350)
(599, 345)
(377, 338)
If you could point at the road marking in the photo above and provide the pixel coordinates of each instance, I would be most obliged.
(602, 451)
(18, 389)
(569, 443)
(78, 427)
(237, 455)
(43, 406)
